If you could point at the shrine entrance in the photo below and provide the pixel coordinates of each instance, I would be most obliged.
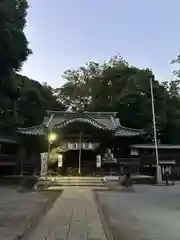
(81, 143)
(72, 162)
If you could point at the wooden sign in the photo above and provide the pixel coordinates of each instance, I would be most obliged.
(44, 165)
(60, 160)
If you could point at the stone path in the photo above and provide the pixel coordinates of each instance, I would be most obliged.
(74, 216)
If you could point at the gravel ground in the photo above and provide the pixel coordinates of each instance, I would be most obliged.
(148, 213)
(19, 210)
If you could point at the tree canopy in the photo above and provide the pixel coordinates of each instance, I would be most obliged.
(13, 43)
(28, 104)
(117, 86)
(33, 101)
(113, 85)
(22, 101)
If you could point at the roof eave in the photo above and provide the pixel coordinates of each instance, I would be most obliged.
(152, 146)
(128, 132)
(128, 135)
(35, 130)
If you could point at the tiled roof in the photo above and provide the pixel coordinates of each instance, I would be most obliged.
(128, 132)
(82, 119)
(105, 119)
(7, 140)
(152, 146)
(35, 130)
(101, 120)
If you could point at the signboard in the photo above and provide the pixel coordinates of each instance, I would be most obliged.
(70, 146)
(82, 145)
(90, 146)
(134, 152)
(44, 165)
(60, 160)
(98, 161)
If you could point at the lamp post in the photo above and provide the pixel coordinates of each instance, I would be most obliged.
(158, 168)
(51, 138)
(80, 149)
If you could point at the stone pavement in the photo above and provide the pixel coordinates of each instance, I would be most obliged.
(74, 216)
(150, 212)
(19, 209)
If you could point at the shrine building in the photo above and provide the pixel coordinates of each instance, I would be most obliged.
(93, 143)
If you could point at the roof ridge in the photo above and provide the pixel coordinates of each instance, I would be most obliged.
(76, 118)
(85, 112)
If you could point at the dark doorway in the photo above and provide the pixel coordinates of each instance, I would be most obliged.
(71, 162)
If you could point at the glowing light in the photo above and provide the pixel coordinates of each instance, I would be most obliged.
(52, 137)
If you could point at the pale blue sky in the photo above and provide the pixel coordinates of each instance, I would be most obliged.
(65, 34)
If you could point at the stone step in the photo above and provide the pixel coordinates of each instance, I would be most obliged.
(79, 184)
(75, 177)
(76, 181)
(73, 181)
(73, 184)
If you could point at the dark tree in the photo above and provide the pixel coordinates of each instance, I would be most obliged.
(117, 86)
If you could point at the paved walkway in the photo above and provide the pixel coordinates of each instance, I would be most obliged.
(74, 216)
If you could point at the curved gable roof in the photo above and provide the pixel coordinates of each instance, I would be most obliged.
(100, 120)
(83, 120)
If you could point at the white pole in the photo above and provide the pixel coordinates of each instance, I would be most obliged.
(158, 168)
(80, 143)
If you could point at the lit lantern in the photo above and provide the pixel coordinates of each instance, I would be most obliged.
(52, 137)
